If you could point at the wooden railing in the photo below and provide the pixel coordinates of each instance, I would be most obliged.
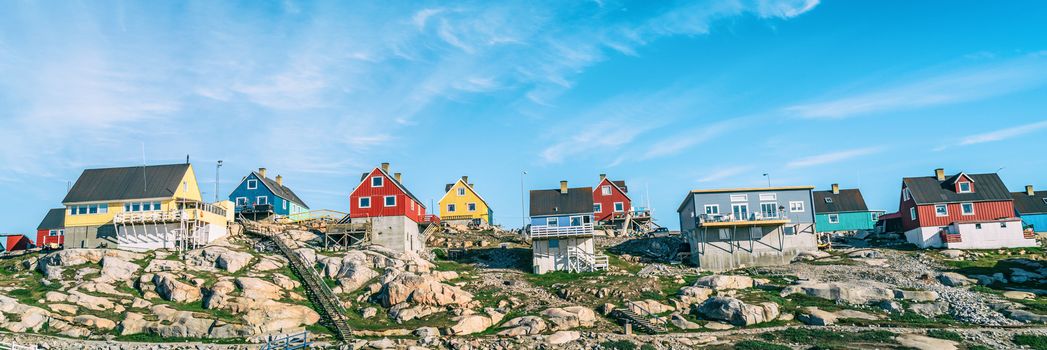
(950, 237)
(430, 219)
(555, 231)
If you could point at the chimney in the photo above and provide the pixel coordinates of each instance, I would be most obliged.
(836, 188)
(603, 176)
(261, 171)
(563, 187)
(1029, 191)
(279, 180)
(471, 186)
(397, 176)
(385, 167)
(940, 174)
(465, 179)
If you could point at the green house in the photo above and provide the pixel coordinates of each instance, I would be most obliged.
(839, 210)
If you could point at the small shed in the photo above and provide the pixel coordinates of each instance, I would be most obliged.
(15, 242)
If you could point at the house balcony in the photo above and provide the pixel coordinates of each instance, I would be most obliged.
(430, 219)
(149, 217)
(729, 220)
(460, 217)
(538, 232)
(254, 208)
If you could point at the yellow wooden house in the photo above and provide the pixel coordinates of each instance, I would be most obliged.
(142, 208)
(462, 205)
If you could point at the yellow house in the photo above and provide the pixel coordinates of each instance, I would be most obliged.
(141, 208)
(461, 204)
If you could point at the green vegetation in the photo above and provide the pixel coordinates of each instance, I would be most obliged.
(944, 334)
(758, 345)
(827, 338)
(1036, 342)
(153, 338)
(618, 345)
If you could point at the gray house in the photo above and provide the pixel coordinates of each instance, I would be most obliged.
(733, 228)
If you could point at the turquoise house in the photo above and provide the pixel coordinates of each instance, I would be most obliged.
(839, 210)
(260, 196)
(1031, 207)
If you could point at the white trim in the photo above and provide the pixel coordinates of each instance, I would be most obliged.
(774, 209)
(793, 206)
(259, 200)
(963, 211)
(253, 182)
(385, 201)
(554, 223)
(739, 198)
(360, 202)
(768, 196)
(598, 207)
(605, 190)
(834, 218)
(936, 213)
(461, 192)
(381, 182)
(619, 204)
(238, 203)
(912, 213)
(959, 187)
(708, 206)
(906, 195)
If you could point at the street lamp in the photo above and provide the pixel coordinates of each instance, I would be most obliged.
(216, 177)
(768, 175)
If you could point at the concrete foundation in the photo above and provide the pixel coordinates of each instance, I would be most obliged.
(398, 233)
(985, 235)
(729, 248)
(551, 254)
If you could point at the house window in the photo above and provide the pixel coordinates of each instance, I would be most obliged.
(390, 201)
(471, 206)
(365, 202)
(739, 197)
(554, 243)
(912, 213)
(875, 216)
(768, 196)
(740, 211)
(978, 226)
(769, 210)
(834, 218)
(261, 200)
(377, 181)
(551, 222)
(828, 200)
(965, 187)
(450, 208)
(576, 221)
(1003, 225)
(941, 210)
(605, 190)
(285, 204)
(789, 230)
(712, 209)
(1045, 201)
(619, 207)
(597, 207)
(252, 184)
(241, 201)
(967, 208)
(905, 194)
(461, 191)
(796, 206)
(412, 205)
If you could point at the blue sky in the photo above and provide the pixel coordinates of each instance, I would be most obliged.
(667, 96)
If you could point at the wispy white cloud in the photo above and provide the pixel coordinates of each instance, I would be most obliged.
(958, 86)
(725, 173)
(998, 135)
(834, 157)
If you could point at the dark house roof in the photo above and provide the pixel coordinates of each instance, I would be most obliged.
(551, 202)
(621, 185)
(280, 190)
(1025, 204)
(393, 180)
(928, 190)
(139, 182)
(55, 218)
(845, 201)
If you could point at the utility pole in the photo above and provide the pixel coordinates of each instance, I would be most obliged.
(523, 216)
(216, 177)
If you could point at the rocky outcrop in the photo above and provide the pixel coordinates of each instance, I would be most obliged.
(563, 337)
(930, 310)
(682, 323)
(857, 293)
(818, 317)
(255, 288)
(159, 265)
(725, 282)
(116, 269)
(29, 317)
(648, 306)
(218, 257)
(52, 264)
(421, 289)
(171, 289)
(272, 316)
(520, 326)
(470, 324)
(694, 295)
(737, 312)
(953, 279)
(569, 317)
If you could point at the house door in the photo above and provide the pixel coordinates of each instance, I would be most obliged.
(740, 211)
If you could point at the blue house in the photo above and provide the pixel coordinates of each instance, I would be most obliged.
(1031, 207)
(260, 196)
(561, 231)
(839, 210)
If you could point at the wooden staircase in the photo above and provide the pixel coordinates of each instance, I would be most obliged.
(624, 315)
(319, 293)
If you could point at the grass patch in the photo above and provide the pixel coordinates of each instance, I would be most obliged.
(759, 345)
(945, 334)
(823, 337)
(1037, 342)
(618, 345)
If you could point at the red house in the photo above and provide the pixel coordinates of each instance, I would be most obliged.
(50, 233)
(391, 211)
(610, 200)
(15, 242)
(962, 211)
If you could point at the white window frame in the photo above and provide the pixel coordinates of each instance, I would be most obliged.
(252, 184)
(381, 181)
(774, 209)
(743, 205)
(461, 191)
(912, 213)
(385, 201)
(959, 187)
(1003, 224)
(940, 214)
(906, 195)
(240, 203)
(963, 208)
(712, 206)
(552, 222)
(834, 218)
(797, 207)
(768, 196)
(285, 204)
(605, 190)
(261, 200)
(360, 202)
(597, 207)
(739, 198)
(581, 221)
(619, 207)
(471, 207)
(451, 207)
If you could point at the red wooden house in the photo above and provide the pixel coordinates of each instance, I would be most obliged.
(610, 200)
(51, 231)
(963, 211)
(12, 242)
(380, 194)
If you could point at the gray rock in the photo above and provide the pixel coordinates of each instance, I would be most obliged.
(737, 312)
(953, 279)
(930, 310)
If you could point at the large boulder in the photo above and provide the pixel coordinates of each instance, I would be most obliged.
(470, 324)
(725, 282)
(272, 316)
(953, 279)
(94, 322)
(737, 312)
(92, 302)
(51, 265)
(520, 326)
(178, 324)
(930, 310)
(218, 257)
(404, 312)
(916, 295)
(570, 317)
(171, 289)
(816, 317)
(694, 294)
(563, 337)
(923, 342)
(648, 306)
(117, 269)
(160, 265)
(857, 293)
(682, 323)
(256, 288)
(421, 289)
